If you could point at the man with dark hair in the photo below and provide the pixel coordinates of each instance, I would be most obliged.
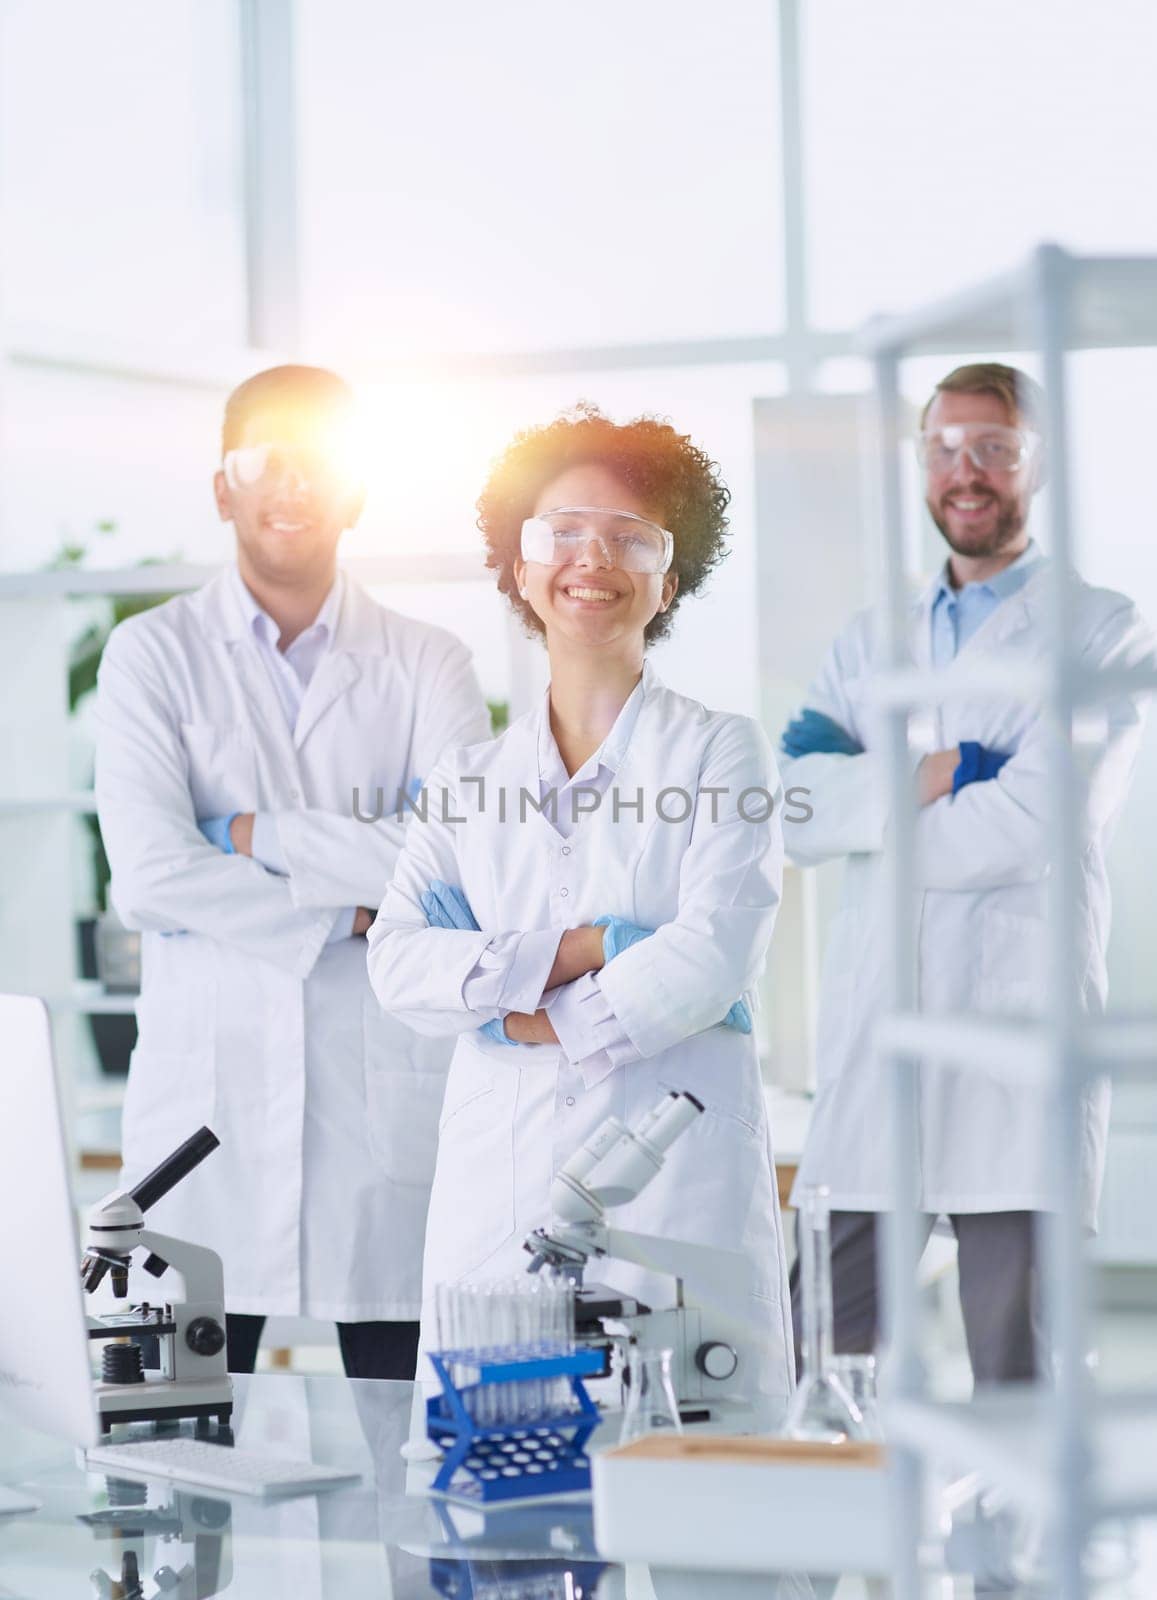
(982, 869)
(238, 726)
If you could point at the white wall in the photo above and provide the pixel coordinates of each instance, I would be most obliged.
(438, 441)
(812, 574)
(518, 177)
(120, 170)
(121, 245)
(80, 448)
(524, 176)
(943, 142)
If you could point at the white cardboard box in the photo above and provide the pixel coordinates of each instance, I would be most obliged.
(743, 1504)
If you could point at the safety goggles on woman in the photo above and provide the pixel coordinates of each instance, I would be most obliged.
(628, 542)
(990, 447)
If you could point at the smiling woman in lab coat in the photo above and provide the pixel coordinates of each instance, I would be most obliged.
(614, 798)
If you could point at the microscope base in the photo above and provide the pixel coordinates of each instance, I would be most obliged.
(167, 1401)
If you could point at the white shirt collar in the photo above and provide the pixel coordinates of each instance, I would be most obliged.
(323, 627)
(609, 754)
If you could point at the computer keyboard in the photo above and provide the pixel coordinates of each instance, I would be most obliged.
(215, 1466)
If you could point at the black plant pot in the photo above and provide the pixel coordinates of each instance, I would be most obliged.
(113, 1034)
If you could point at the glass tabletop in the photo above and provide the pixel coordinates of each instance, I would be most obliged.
(383, 1536)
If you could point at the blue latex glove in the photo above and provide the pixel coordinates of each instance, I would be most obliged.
(620, 935)
(976, 765)
(495, 1031)
(739, 1017)
(447, 907)
(813, 733)
(216, 830)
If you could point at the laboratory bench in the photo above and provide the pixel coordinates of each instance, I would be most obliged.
(381, 1537)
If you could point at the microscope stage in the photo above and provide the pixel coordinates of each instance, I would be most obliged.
(164, 1398)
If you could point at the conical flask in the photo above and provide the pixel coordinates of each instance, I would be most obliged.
(821, 1410)
(651, 1405)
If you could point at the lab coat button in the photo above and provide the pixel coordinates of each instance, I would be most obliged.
(566, 849)
(564, 892)
(570, 1099)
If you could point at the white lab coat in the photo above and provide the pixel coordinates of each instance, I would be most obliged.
(980, 911)
(249, 1021)
(512, 1117)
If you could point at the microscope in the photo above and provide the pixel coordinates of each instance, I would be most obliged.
(166, 1361)
(709, 1324)
(183, 1536)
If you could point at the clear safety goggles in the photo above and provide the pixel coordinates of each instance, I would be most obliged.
(987, 445)
(271, 466)
(628, 542)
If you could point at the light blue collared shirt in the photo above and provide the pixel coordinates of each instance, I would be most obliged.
(290, 672)
(958, 613)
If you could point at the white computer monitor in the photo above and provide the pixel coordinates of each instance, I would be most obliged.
(45, 1378)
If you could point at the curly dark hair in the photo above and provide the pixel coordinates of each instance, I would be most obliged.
(664, 468)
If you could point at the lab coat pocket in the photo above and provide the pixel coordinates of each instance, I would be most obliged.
(172, 1087)
(168, 1098)
(169, 1091)
(471, 1077)
(734, 1107)
(472, 1208)
(222, 768)
(1012, 965)
(172, 1082)
(721, 1069)
(843, 958)
(403, 1097)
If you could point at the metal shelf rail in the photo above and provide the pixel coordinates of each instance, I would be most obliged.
(438, 566)
(1056, 1447)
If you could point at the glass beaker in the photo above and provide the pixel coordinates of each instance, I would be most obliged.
(821, 1410)
(651, 1405)
(858, 1376)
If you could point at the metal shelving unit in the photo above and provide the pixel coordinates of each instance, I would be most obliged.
(1060, 1449)
(172, 578)
(78, 801)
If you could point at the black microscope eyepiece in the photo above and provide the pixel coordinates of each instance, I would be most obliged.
(174, 1168)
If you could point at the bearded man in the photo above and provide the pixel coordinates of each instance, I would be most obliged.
(982, 869)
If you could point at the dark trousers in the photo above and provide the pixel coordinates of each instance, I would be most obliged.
(368, 1349)
(999, 1290)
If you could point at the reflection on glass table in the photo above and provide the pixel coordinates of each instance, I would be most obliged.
(157, 1535)
(382, 1537)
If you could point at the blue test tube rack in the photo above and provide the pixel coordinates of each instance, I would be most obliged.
(490, 1462)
